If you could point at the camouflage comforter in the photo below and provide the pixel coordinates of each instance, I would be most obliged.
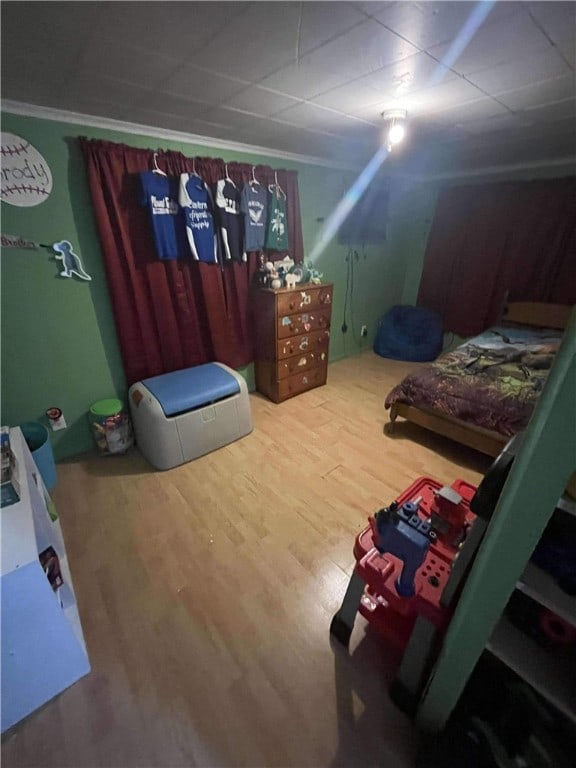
(492, 380)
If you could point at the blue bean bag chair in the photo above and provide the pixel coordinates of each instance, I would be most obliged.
(409, 333)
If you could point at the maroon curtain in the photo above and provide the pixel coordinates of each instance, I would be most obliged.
(173, 314)
(490, 242)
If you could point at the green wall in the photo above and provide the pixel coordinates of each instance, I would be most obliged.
(59, 345)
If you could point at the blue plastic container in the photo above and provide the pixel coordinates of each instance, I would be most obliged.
(38, 441)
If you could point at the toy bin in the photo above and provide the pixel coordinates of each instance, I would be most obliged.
(111, 427)
(38, 441)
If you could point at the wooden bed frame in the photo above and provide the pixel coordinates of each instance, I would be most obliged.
(483, 440)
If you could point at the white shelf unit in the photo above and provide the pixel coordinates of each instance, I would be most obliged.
(43, 648)
(540, 586)
(550, 672)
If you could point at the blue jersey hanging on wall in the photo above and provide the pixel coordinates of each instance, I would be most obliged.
(198, 206)
(160, 195)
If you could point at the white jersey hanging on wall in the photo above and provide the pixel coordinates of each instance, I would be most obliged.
(254, 206)
(277, 229)
(198, 206)
(230, 220)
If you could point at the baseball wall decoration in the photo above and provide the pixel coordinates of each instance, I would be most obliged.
(26, 177)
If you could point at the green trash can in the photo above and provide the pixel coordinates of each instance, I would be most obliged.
(111, 427)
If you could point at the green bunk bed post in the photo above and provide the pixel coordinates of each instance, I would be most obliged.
(537, 480)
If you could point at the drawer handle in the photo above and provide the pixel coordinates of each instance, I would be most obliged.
(292, 305)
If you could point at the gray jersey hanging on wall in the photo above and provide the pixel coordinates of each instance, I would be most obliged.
(254, 204)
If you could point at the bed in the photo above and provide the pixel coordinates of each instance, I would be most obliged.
(484, 391)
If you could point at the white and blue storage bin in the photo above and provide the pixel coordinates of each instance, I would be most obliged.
(180, 416)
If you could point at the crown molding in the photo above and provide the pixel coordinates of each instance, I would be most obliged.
(496, 169)
(93, 121)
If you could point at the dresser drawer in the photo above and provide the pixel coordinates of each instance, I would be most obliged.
(304, 299)
(317, 341)
(294, 325)
(294, 385)
(300, 363)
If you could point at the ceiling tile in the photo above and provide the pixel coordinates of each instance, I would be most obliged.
(318, 118)
(538, 94)
(191, 67)
(365, 49)
(233, 117)
(261, 101)
(524, 147)
(323, 21)
(169, 104)
(558, 19)
(529, 130)
(449, 94)
(426, 24)
(25, 77)
(487, 125)
(203, 85)
(269, 29)
(353, 98)
(104, 56)
(315, 145)
(481, 109)
(174, 29)
(411, 74)
(551, 113)
(186, 124)
(302, 80)
(524, 70)
(391, 82)
(373, 7)
(50, 36)
(86, 105)
(41, 28)
(498, 43)
(107, 90)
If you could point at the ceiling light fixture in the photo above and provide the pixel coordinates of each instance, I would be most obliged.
(396, 128)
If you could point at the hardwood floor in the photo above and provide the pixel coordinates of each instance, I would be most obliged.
(206, 592)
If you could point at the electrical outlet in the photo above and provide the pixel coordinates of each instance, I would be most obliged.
(364, 330)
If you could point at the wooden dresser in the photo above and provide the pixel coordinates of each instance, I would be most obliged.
(292, 332)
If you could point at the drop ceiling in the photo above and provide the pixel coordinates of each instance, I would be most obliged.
(310, 78)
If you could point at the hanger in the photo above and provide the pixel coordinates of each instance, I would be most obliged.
(227, 177)
(156, 169)
(254, 180)
(275, 188)
(194, 171)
